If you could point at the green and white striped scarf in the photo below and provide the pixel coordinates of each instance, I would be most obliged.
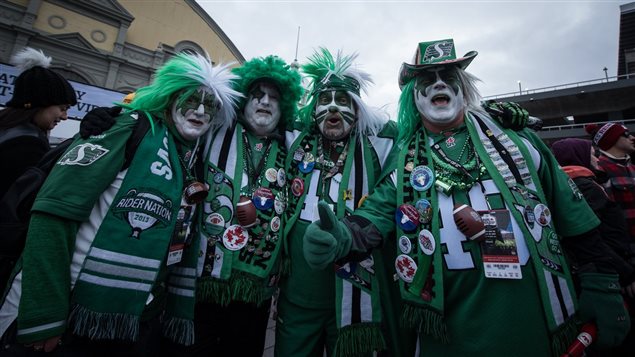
(547, 258)
(127, 258)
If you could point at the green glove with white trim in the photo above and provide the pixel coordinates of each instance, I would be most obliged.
(600, 302)
(326, 240)
(509, 114)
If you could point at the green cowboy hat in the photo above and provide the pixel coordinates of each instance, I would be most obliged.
(432, 54)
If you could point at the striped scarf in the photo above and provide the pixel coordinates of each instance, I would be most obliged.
(127, 256)
(516, 178)
(358, 312)
(249, 274)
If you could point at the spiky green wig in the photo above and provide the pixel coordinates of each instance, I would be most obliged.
(183, 74)
(329, 73)
(275, 70)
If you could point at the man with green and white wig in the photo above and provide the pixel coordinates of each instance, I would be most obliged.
(112, 245)
(336, 154)
(244, 214)
(480, 218)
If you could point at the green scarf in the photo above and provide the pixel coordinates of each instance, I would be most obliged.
(126, 259)
(249, 274)
(424, 293)
(356, 284)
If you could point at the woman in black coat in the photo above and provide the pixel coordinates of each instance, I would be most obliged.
(40, 100)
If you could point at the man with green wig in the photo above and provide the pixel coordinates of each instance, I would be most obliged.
(111, 245)
(243, 216)
(479, 218)
(336, 154)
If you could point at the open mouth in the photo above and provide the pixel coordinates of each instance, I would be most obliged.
(263, 111)
(440, 99)
(196, 122)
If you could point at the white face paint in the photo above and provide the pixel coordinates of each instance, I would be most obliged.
(193, 115)
(439, 97)
(262, 111)
(335, 114)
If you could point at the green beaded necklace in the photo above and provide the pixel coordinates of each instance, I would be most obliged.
(449, 177)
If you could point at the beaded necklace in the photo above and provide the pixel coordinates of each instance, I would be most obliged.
(254, 174)
(452, 174)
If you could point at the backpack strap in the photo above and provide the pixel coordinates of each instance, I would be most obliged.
(141, 128)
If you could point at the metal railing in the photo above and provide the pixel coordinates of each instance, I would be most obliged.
(519, 93)
(582, 125)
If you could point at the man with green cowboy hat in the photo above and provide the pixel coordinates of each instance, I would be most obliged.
(336, 154)
(243, 215)
(477, 212)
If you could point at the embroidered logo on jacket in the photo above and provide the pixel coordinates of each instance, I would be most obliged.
(143, 210)
(83, 155)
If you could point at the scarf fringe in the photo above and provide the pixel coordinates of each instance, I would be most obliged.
(359, 339)
(179, 330)
(213, 290)
(563, 336)
(248, 289)
(106, 326)
(430, 321)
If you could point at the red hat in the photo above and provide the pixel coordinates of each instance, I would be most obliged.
(605, 136)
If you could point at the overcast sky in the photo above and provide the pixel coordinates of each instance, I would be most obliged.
(539, 43)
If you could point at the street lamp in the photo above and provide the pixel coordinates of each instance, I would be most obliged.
(606, 74)
(520, 88)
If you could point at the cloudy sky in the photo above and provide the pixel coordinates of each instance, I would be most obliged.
(539, 43)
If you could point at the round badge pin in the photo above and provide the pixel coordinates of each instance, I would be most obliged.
(263, 198)
(404, 245)
(542, 214)
(421, 178)
(275, 224)
(218, 177)
(306, 166)
(297, 187)
(271, 175)
(426, 242)
(407, 217)
(424, 208)
(235, 237)
(406, 268)
(214, 224)
(298, 155)
(282, 177)
(279, 206)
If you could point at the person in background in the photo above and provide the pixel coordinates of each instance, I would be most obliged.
(41, 99)
(616, 145)
(467, 291)
(578, 160)
(111, 252)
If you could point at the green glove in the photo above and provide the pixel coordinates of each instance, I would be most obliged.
(509, 114)
(326, 240)
(601, 302)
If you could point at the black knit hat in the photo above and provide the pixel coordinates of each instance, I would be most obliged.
(37, 86)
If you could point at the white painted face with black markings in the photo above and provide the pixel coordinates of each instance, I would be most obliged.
(262, 111)
(438, 95)
(335, 114)
(193, 115)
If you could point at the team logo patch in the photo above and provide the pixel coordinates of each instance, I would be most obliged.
(143, 210)
(83, 155)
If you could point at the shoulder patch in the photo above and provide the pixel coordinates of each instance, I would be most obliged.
(83, 155)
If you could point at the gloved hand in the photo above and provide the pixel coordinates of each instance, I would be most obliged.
(326, 240)
(98, 120)
(601, 302)
(509, 114)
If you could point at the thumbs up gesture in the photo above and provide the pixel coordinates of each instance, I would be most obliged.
(326, 240)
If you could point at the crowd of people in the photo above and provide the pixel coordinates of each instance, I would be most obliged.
(451, 230)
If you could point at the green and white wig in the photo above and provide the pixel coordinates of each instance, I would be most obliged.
(327, 74)
(183, 75)
(408, 118)
(274, 70)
